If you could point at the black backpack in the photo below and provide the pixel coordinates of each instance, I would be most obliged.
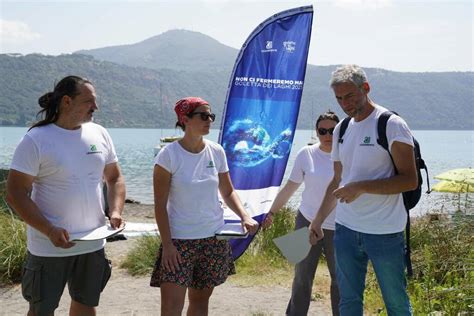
(410, 198)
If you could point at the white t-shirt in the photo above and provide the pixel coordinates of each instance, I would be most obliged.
(363, 159)
(194, 209)
(315, 168)
(68, 167)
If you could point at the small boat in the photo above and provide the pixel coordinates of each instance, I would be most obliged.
(163, 142)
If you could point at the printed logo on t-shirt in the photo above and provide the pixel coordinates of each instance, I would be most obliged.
(366, 141)
(210, 164)
(93, 150)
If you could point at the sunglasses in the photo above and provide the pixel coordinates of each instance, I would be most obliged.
(324, 131)
(204, 116)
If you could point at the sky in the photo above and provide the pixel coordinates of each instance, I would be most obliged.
(399, 35)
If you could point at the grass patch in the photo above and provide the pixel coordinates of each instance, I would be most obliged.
(12, 239)
(12, 246)
(141, 259)
(443, 264)
(262, 263)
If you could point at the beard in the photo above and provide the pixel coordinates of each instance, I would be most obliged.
(358, 108)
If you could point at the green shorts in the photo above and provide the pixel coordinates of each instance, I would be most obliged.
(44, 279)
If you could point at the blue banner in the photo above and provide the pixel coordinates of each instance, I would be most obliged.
(261, 111)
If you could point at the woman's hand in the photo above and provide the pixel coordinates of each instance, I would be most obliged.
(171, 259)
(250, 224)
(315, 233)
(268, 221)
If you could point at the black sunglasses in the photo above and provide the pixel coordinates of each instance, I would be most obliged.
(204, 116)
(324, 131)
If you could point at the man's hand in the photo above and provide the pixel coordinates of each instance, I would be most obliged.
(116, 220)
(315, 233)
(349, 192)
(60, 237)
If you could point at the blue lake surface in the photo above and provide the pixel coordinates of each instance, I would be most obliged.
(441, 150)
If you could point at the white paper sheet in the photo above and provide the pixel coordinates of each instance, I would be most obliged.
(96, 234)
(231, 230)
(294, 246)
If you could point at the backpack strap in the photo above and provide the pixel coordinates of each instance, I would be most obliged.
(342, 130)
(422, 165)
(382, 131)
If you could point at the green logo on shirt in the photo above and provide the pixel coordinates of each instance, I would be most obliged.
(366, 142)
(210, 164)
(93, 150)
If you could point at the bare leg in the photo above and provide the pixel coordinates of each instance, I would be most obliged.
(172, 299)
(199, 302)
(78, 309)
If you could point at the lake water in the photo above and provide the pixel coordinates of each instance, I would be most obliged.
(441, 150)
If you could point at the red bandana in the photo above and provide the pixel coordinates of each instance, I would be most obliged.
(186, 106)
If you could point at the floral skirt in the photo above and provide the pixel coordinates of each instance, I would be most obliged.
(206, 263)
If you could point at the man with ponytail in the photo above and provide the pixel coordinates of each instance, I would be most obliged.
(55, 185)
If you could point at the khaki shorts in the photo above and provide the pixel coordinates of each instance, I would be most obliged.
(44, 279)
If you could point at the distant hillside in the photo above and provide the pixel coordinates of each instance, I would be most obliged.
(133, 80)
(176, 49)
(127, 96)
(442, 100)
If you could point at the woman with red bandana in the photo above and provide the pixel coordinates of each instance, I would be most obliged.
(188, 175)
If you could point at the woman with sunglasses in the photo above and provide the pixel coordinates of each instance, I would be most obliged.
(314, 167)
(187, 176)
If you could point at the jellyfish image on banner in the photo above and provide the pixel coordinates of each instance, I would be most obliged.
(248, 144)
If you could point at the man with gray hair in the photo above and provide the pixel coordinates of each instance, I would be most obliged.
(366, 188)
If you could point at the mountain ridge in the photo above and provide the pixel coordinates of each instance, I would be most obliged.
(154, 52)
(137, 84)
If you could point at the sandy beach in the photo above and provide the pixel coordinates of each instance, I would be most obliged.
(128, 295)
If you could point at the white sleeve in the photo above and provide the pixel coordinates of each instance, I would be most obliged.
(223, 167)
(397, 130)
(26, 158)
(163, 159)
(111, 155)
(297, 173)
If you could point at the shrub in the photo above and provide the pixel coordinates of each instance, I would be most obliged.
(262, 252)
(141, 259)
(12, 246)
(443, 257)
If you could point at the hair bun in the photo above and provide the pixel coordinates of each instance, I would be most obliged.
(45, 100)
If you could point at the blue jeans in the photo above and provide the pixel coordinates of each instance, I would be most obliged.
(353, 250)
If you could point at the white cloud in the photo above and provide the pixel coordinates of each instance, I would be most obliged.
(16, 32)
(362, 4)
